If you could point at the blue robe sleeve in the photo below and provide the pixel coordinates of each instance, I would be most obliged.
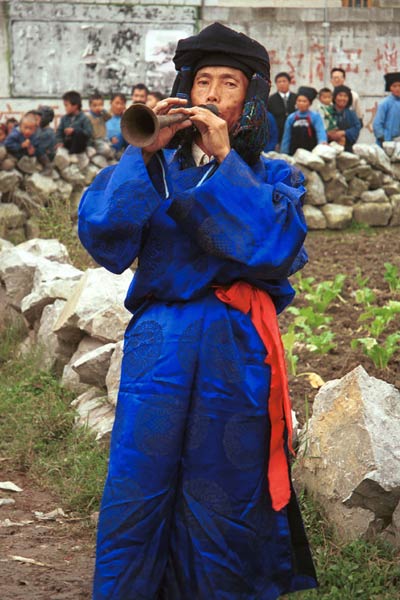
(251, 218)
(287, 134)
(319, 127)
(115, 210)
(379, 122)
(353, 130)
(273, 134)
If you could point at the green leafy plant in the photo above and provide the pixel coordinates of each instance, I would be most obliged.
(392, 276)
(289, 341)
(321, 343)
(379, 352)
(324, 293)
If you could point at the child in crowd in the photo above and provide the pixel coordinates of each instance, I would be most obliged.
(98, 117)
(153, 98)
(324, 107)
(113, 125)
(10, 124)
(75, 130)
(387, 119)
(46, 138)
(23, 140)
(303, 128)
(3, 133)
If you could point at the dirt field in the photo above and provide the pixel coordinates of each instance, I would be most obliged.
(346, 252)
(66, 547)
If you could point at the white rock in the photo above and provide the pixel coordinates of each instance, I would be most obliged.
(9, 180)
(11, 216)
(50, 249)
(376, 214)
(94, 412)
(6, 501)
(5, 245)
(347, 160)
(308, 159)
(51, 281)
(374, 196)
(41, 186)
(54, 353)
(92, 367)
(70, 378)
(315, 190)
(374, 155)
(314, 217)
(337, 216)
(352, 460)
(99, 161)
(324, 151)
(98, 296)
(9, 486)
(62, 158)
(17, 268)
(114, 373)
(28, 164)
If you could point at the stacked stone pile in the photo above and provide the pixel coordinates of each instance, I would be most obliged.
(363, 186)
(76, 319)
(349, 457)
(25, 190)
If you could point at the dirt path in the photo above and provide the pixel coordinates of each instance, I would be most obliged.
(64, 546)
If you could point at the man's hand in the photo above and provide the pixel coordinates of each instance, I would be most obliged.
(69, 130)
(164, 107)
(214, 132)
(26, 143)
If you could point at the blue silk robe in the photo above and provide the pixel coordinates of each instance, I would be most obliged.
(186, 512)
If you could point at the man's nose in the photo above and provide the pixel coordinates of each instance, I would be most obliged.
(213, 93)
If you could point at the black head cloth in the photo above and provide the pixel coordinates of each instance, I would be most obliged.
(343, 88)
(217, 45)
(308, 92)
(390, 79)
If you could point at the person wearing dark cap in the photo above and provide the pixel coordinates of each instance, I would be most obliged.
(283, 102)
(348, 125)
(198, 501)
(387, 119)
(303, 128)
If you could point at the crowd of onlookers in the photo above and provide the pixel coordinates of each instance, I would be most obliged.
(308, 118)
(34, 135)
(296, 120)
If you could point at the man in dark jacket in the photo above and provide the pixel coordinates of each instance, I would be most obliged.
(283, 102)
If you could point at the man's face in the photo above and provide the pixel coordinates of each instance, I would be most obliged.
(282, 85)
(337, 78)
(223, 86)
(395, 88)
(139, 96)
(118, 106)
(342, 100)
(97, 106)
(27, 127)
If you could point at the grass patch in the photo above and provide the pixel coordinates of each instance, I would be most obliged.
(37, 434)
(58, 220)
(358, 570)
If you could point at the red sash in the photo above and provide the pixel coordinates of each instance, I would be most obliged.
(246, 298)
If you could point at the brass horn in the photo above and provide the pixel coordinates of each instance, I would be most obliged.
(140, 125)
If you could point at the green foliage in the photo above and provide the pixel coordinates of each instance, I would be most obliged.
(289, 341)
(392, 277)
(375, 321)
(324, 293)
(37, 434)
